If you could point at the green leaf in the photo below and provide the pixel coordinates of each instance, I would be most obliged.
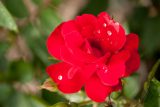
(115, 95)
(5, 90)
(3, 61)
(49, 85)
(76, 97)
(36, 102)
(48, 21)
(131, 86)
(149, 80)
(60, 104)
(38, 48)
(65, 104)
(153, 71)
(16, 8)
(18, 99)
(52, 97)
(153, 97)
(21, 71)
(6, 19)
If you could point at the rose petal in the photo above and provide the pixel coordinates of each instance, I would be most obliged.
(96, 90)
(118, 87)
(132, 42)
(73, 43)
(114, 70)
(133, 63)
(70, 78)
(86, 24)
(55, 41)
(59, 73)
(111, 34)
(71, 35)
(103, 17)
(77, 57)
(120, 56)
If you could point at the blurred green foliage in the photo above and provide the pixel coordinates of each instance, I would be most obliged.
(24, 28)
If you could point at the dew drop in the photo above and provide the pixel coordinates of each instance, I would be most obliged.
(106, 71)
(116, 26)
(98, 31)
(109, 33)
(111, 42)
(117, 23)
(104, 24)
(60, 77)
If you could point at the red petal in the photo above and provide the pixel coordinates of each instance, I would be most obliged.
(70, 78)
(114, 70)
(132, 42)
(133, 63)
(103, 17)
(77, 57)
(61, 74)
(121, 56)
(111, 35)
(73, 42)
(86, 24)
(54, 42)
(118, 87)
(71, 35)
(96, 90)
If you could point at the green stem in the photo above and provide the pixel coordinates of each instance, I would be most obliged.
(150, 77)
(85, 102)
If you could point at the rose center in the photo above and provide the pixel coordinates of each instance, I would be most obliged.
(96, 48)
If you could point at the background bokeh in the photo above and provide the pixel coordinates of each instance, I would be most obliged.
(25, 25)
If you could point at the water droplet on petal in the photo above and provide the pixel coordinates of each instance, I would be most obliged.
(60, 77)
(106, 71)
(98, 31)
(109, 33)
(116, 26)
(117, 23)
(104, 24)
(103, 68)
(111, 42)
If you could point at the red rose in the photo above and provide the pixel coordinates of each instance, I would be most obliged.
(95, 53)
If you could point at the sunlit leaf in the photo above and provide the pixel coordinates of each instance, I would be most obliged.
(6, 20)
(49, 85)
(76, 97)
